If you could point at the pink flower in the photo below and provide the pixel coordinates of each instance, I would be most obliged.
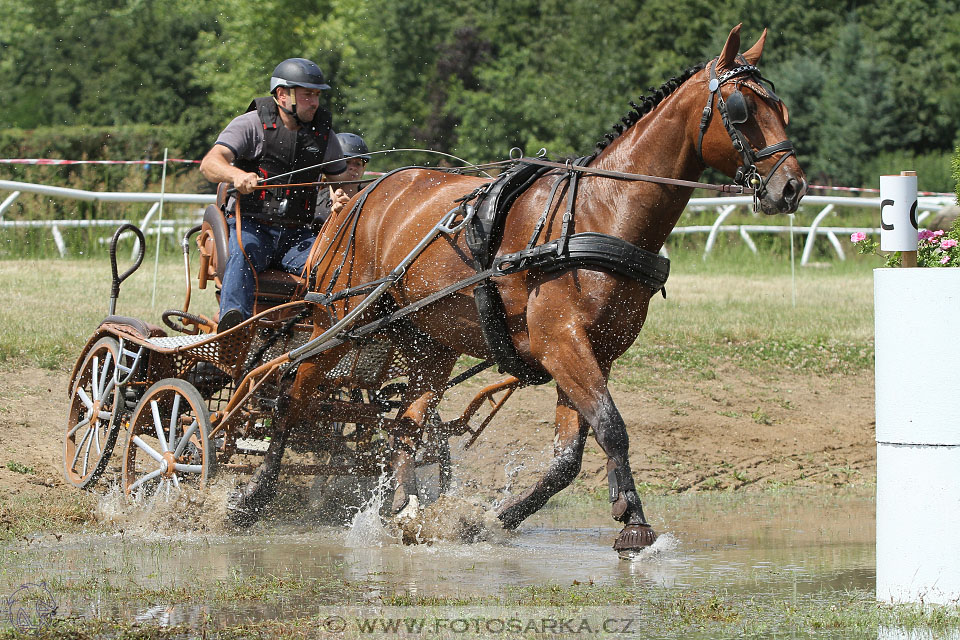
(858, 236)
(938, 233)
(924, 234)
(948, 243)
(944, 259)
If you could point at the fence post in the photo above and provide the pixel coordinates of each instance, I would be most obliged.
(715, 229)
(7, 202)
(917, 342)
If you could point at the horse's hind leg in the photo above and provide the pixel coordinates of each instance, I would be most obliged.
(430, 366)
(571, 434)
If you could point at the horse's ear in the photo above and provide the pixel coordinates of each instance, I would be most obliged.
(752, 55)
(728, 57)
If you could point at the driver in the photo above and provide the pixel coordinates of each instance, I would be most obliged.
(280, 133)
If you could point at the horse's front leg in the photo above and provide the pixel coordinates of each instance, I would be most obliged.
(570, 359)
(571, 434)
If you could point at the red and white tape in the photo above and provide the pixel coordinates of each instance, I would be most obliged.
(58, 161)
(869, 190)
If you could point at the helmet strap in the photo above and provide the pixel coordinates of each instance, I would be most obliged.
(293, 103)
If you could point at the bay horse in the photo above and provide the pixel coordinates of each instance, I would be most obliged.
(572, 323)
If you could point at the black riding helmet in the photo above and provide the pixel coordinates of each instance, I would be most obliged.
(353, 146)
(297, 72)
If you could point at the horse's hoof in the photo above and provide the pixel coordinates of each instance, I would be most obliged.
(634, 538)
(411, 510)
(408, 521)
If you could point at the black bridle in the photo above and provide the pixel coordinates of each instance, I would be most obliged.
(733, 111)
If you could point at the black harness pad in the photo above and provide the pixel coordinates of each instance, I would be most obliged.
(485, 230)
(609, 253)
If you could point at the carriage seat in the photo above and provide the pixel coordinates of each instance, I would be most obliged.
(274, 286)
(133, 326)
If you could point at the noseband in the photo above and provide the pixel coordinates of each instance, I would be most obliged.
(733, 111)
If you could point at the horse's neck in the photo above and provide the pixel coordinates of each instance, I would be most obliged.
(644, 213)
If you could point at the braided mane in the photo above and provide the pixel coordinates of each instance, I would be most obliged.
(647, 104)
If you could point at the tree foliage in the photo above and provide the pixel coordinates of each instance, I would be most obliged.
(863, 80)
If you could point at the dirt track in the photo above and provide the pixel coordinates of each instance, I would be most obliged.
(734, 431)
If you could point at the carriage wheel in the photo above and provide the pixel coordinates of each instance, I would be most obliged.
(168, 445)
(94, 403)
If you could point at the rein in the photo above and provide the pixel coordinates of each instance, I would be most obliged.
(639, 177)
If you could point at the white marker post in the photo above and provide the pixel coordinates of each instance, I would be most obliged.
(898, 215)
(917, 339)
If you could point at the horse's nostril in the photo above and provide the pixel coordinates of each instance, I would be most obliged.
(789, 190)
(793, 191)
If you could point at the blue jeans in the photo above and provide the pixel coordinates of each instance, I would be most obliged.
(266, 246)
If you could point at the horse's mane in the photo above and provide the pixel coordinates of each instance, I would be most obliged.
(647, 104)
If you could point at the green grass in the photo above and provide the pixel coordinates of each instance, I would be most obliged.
(653, 611)
(62, 512)
(738, 309)
(51, 308)
(735, 308)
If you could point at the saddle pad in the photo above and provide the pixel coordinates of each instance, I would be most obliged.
(485, 230)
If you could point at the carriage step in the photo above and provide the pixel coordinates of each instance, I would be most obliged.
(249, 445)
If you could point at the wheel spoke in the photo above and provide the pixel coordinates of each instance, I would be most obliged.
(108, 388)
(84, 398)
(176, 482)
(95, 379)
(147, 478)
(188, 468)
(82, 423)
(105, 415)
(158, 425)
(174, 418)
(185, 440)
(104, 371)
(76, 454)
(147, 449)
(96, 439)
(86, 454)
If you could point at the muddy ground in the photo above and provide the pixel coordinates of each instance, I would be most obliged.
(737, 430)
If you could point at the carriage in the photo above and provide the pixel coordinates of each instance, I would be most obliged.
(547, 271)
(186, 401)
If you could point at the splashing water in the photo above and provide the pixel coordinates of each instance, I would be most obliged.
(367, 528)
(184, 510)
(660, 549)
(453, 519)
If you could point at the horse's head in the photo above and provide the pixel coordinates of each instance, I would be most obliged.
(742, 128)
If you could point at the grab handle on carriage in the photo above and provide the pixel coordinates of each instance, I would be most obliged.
(120, 277)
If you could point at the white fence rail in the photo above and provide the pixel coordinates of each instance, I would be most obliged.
(724, 206)
(170, 226)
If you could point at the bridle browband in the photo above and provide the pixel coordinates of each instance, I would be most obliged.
(733, 112)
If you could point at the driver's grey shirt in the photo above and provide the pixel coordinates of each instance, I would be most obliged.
(244, 137)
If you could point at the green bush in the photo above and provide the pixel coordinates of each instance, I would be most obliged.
(933, 169)
(956, 172)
